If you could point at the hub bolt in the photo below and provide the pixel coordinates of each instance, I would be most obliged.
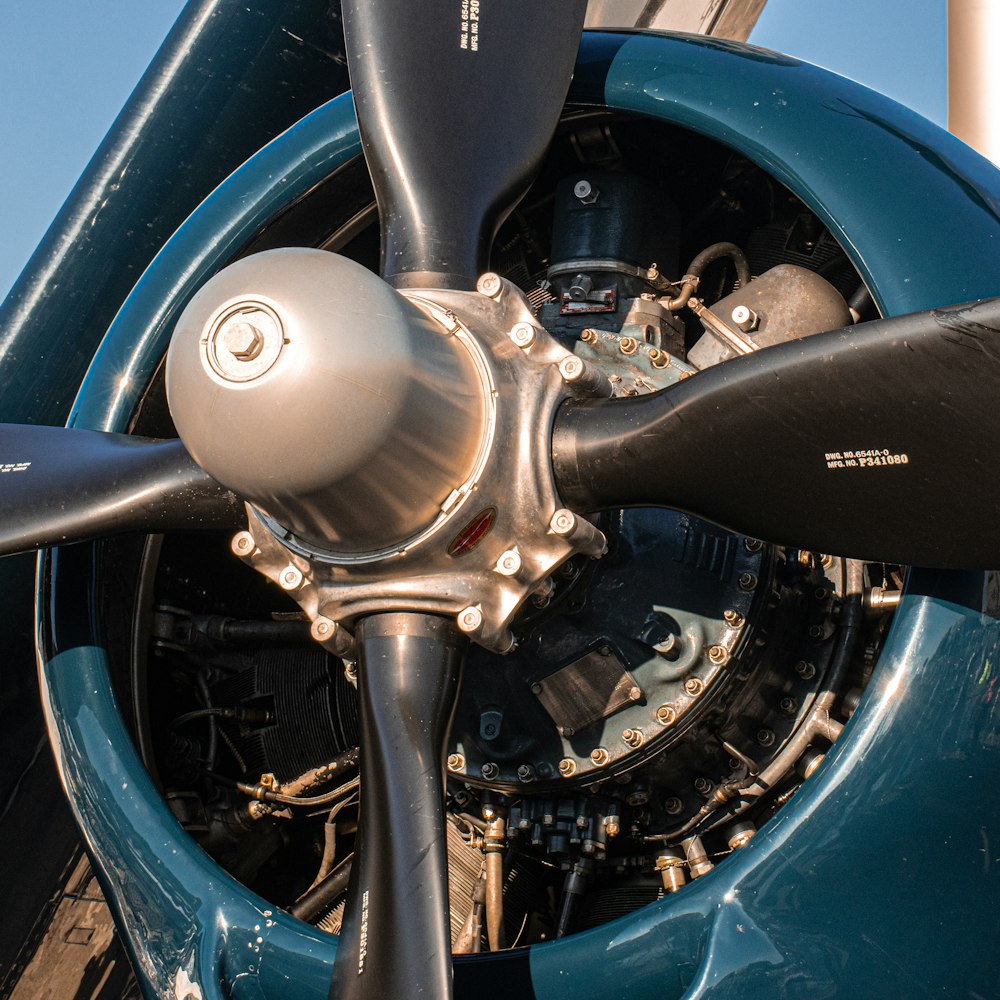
(523, 335)
(470, 620)
(489, 284)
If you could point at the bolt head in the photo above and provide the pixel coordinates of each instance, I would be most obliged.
(243, 543)
(765, 737)
(733, 618)
(635, 693)
(290, 578)
(752, 544)
(522, 334)
(747, 581)
(243, 342)
(470, 620)
(509, 564)
(323, 629)
(788, 706)
(489, 284)
(582, 189)
(702, 786)
(628, 345)
(805, 670)
(571, 368)
(632, 738)
(563, 522)
(673, 806)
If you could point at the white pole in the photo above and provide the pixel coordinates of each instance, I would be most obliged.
(974, 74)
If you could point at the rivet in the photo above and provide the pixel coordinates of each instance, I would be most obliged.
(456, 762)
(567, 767)
(599, 756)
(665, 715)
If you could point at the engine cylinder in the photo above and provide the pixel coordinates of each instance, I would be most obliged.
(326, 399)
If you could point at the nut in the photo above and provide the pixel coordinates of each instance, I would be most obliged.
(589, 336)
(805, 670)
(788, 705)
(765, 737)
(658, 358)
(567, 767)
(703, 786)
(665, 715)
(456, 762)
(632, 738)
(509, 563)
(599, 756)
(694, 686)
(752, 544)
(628, 345)
(672, 806)
(525, 772)
(718, 655)
(489, 770)
(733, 618)
(747, 581)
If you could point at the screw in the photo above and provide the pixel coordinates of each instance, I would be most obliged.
(563, 522)
(805, 670)
(243, 543)
(733, 618)
(586, 192)
(765, 737)
(658, 359)
(456, 762)
(702, 786)
(523, 335)
(628, 345)
(291, 578)
(489, 770)
(567, 767)
(525, 772)
(589, 336)
(632, 738)
(635, 693)
(788, 706)
(672, 806)
(718, 655)
(694, 686)
(509, 564)
(599, 756)
(747, 581)
(665, 715)
(470, 620)
(752, 544)
(489, 284)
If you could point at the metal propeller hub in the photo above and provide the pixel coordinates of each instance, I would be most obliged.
(402, 462)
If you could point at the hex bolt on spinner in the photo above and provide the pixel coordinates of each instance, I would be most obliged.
(243, 342)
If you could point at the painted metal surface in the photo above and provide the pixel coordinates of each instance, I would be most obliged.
(830, 899)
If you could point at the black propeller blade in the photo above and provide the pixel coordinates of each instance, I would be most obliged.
(58, 485)
(875, 441)
(457, 102)
(395, 940)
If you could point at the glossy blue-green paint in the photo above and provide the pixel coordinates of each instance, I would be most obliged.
(836, 897)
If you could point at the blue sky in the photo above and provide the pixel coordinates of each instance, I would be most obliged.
(66, 68)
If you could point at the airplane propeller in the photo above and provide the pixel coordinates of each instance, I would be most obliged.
(870, 441)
